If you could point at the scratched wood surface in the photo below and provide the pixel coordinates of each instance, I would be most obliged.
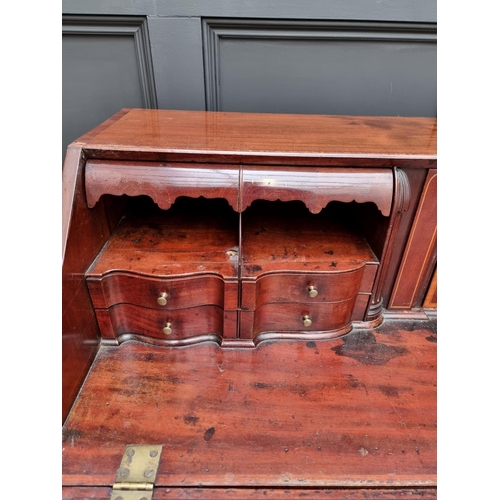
(286, 237)
(196, 235)
(104, 493)
(83, 234)
(357, 411)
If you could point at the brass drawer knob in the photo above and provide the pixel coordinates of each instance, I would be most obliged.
(162, 299)
(306, 319)
(167, 330)
(313, 291)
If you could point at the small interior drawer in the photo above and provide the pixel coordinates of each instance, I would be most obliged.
(162, 294)
(301, 288)
(291, 317)
(133, 321)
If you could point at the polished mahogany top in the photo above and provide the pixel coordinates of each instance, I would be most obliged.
(262, 138)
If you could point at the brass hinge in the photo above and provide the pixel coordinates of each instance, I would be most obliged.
(137, 473)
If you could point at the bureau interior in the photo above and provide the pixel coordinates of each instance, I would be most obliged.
(286, 236)
(201, 271)
(207, 235)
(193, 236)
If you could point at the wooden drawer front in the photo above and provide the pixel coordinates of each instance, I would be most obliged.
(289, 317)
(286, 288)
(125, 319)
(118, 288)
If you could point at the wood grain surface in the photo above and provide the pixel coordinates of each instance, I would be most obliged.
(103, 493)
(197, 237)
(431, 296)
(162, 182)
(286, 237)
(186, 323)
(266, 138)
(317, 187)
(288, 317)
(83, 234)
(236, 139)
(282, 288)
(419, 258)
(355, 412)
(198, 251)
(121, 288)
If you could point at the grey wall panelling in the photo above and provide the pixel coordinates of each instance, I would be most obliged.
(347, 68)
(107, 66)
(178, 62)
(280, 56)
(418, 11)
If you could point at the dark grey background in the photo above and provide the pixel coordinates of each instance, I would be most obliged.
(287, 56)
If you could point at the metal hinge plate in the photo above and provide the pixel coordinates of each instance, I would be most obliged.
(137, 473)
(131, 495)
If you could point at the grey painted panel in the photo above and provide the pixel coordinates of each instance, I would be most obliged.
(106, 66)
(326, 68)
(99, 78)
(325, 77)
(386, 10)
(177, 53)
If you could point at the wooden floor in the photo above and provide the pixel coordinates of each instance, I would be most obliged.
(351, 418)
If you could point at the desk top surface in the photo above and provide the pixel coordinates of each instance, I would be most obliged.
(221, 135)
(357, 411)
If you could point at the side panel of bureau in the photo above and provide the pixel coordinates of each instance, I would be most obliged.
(419, 257)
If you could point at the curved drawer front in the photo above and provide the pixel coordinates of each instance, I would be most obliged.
(292, 317)
(181, 293)
(301, 288)
(125, 319)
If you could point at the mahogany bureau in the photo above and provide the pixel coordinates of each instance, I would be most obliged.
(182, 228)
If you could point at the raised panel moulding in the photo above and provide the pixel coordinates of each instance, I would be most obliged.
(135, 26)
(215, 30)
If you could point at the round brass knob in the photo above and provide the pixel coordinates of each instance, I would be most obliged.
(162, 299)
(313, 291)
(306, 319)
(167, 330)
